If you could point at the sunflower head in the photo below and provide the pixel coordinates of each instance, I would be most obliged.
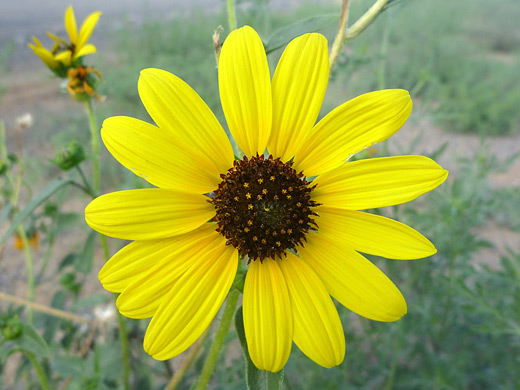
(264, 207)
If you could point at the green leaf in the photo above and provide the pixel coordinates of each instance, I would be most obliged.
(31, 341)
(49, 190)
(69, 365)
(84, 261)
(256, 379)
(285, 35)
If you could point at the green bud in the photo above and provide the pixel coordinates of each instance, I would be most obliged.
(12, 328)
(68, 281)
(70, 156)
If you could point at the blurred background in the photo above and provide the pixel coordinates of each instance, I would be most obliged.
(460, 60)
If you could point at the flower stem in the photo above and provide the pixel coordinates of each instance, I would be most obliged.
(340, 41)
(88, 188)
(29, 264)
(348, 33)
(17, 184)
(218, 341)
(104, 244)
(231, 15)
(94, 139)
(187, 363)
(39, 370)
(124, 348)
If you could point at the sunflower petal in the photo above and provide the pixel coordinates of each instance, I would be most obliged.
(317, 328)
(84, 50)
(299, 85)
(45, 55)
(144, 295)
(352, 127)
(245, 90)
(378, 182)
(268, 318)
(189, 307)
(70, 25)
(57, 40)
(142, 257)
(65, 57)
(153, 154)
(88, 27)
(147, 214)
(353, 280)
(374, 234)
(176, 107)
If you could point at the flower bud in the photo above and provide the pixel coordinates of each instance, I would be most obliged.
(70, 156)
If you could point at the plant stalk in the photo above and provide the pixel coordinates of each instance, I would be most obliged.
(231, 15)
(39, 370)
(123, 334)
(218, 341)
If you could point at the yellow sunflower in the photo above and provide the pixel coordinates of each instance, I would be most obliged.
(300, 237)
(64, 53)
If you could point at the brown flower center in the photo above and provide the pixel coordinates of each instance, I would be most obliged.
(264, 207)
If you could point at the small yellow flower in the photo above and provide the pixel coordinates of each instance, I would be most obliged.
(66, 54)
(302, 237)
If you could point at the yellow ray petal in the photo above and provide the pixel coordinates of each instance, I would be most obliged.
(84, 50)
(176, 107)
(317, 328)
(70, 24)
(378, 182)
(373, 234)
(141, 298)
(141, 257)
(245, 90)
(65, 57)
(299, 85)
(147, 214)
(154, 154)
(45, 55)
(352, 127)
(57, 39)
(353, 280)
(191, 304)
(268, 318)
(87, 28)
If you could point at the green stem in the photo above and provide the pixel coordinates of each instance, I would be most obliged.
(47, 257)
(29, 264)
(123, 334)
(231, 15)
(88, 188)
(188, 362)
(39, 370)
(124, 349)
(218, 341)
(340, 40)
(94, 138)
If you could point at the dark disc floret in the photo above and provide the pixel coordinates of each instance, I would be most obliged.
(264, 207)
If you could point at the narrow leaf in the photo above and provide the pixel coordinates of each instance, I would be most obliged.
(285, 35)
(84, 261)
(31, 206)
(256, 379)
